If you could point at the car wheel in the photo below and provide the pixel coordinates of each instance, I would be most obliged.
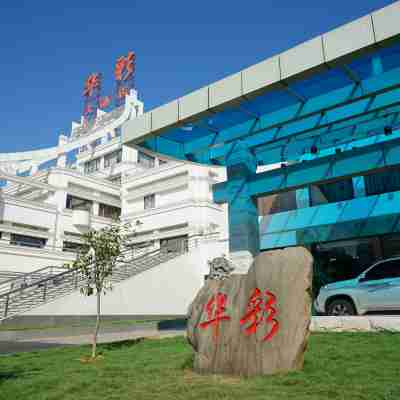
(341, 307)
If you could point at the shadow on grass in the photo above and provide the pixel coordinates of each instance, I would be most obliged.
(8, 375)
(172, 324)
(188, 363)
(120, 344)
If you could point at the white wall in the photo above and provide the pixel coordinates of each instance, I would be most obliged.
(167, 289)
(27, 213)
(172, 196)
(24, 259)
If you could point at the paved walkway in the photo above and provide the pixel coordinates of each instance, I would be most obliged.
(19, 341)
(28, 340)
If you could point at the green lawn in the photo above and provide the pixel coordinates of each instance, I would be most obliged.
(338, 366)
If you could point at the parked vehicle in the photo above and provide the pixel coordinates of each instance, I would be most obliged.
(377, 289)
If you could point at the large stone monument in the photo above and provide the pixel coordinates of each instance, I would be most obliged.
(254, 324)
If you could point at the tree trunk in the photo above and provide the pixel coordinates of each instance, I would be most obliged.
(96, 331)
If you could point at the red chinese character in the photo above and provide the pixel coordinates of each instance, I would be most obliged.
(92, 82)
(130, 65)
(215, 309)
(104, 102)
(255, 313)
(125, 67)
(88, 109)
(122, 92)
(119, 68)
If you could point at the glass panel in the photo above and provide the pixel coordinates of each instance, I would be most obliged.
(112, 158)
(382, 182)
(342, 260)
(29, 241)
(76, 203)
(71, 246)
(331, 192)
(277, 203)
(177, 243)
(92, 166)
(391, 245)
(107, 211)
(149, 201)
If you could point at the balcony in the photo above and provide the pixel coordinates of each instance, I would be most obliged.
(81, 219)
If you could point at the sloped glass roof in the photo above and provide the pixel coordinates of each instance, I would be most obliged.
(249, 117)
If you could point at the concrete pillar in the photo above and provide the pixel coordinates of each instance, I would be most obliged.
(34, 169)
(95, 209)
(244, 237)
(61, 154)
(62, 160)
(6, 237)
(59, 198)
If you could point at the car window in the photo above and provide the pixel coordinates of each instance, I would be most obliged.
(384, 270)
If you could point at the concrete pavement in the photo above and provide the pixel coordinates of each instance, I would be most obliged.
(32, 340)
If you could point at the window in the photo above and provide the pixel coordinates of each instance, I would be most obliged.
(107, 211)
(24, 173)
(72, 247)
(382, 182)
(174, 244)
(390, 245)
(145, 160)
(92, 166)
(342, 260)
(384, 270)
(28, 241)
(117, 180)
(83, 148)
(76, 203)
(277, 203)
(331, 192)
(149, 201)
(96, 143)
(112, 158)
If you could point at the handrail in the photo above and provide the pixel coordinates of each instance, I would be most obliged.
(23, 275)
(62, 274)
(17, 300)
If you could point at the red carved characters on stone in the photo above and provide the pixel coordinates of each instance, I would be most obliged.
(215, 309)
(256, 310)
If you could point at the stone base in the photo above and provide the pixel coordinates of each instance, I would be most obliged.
(367, 323)
(227, 346)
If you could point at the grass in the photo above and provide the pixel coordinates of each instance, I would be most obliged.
(346, 366)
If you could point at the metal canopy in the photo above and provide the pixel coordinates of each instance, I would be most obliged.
(337, 88)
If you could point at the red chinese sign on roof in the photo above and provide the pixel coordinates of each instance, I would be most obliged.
(92, 83)
(125, 67)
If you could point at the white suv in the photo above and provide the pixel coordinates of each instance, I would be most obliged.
(376, 289)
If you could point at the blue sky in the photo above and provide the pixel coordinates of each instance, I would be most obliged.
(49, 47)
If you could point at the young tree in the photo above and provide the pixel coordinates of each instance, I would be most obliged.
(100, 253)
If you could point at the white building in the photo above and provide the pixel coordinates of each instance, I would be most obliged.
(51, 196)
